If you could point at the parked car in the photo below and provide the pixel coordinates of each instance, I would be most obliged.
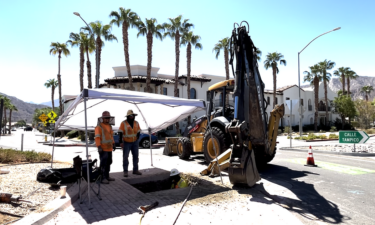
(28, 129)
(144, 140)
(14, 129)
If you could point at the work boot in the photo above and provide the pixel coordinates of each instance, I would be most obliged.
(105, 181)
(111, 179)
(137, 172)
(125, 173)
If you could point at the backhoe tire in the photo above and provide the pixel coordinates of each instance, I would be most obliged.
(262, 159)
(220, 140)
(184, 148)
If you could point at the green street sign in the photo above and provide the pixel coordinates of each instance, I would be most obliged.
(353, 137)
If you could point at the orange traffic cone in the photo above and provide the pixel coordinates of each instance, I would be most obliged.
(310, 158)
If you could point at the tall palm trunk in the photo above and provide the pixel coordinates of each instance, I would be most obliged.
(343, 83)
(88, 69)
(366, 97)
(125, 40)
(81, 66)
(274, 85)
(59, 80)
(177, 66)
(149, 61)
(10, 120)
(316, 100)
(52, 95)
(188, 57)
(326, 101)
(5, 120)
(98, 53)
(348, 83)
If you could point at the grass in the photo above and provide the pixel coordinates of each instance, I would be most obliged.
(14, 156)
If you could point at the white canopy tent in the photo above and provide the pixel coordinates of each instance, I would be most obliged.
(155, 112)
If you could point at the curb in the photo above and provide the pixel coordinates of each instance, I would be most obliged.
(329, 153)
(51, 209)
(71, 145)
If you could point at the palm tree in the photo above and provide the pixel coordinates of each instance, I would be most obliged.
(271, 62)
(128, 19)
(11, 108)
(100, 30)
(314, 77)
(367, 90)
(175, 28)
(258, 52)
(52, 83)
(223, 44)
(340, 72)
(350, 75)
(5, 107)
(58, 48)
(150, 29)
(190, 40)
(324, 66)
(88, 43)
(78, 40)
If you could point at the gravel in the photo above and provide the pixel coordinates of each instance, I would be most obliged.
(21, 180)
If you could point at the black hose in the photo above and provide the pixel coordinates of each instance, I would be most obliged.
(191, 188)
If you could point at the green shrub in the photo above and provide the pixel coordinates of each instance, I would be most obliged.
(72, 134)
(287, 130)
(333, 129)
(355, 124)
(323, 137)
(15, 156)
(288, 137)
(279, 131)
(370, 131)
(333, 136)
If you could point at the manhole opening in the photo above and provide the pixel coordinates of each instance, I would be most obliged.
(153, 186)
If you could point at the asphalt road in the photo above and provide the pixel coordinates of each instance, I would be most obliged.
(339, 190)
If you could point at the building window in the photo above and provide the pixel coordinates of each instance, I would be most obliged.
(208, 96)
(145, 90)
(276, 102)
(309, 105)
(193, 93)
(268, 100)
(302, 102)
(165, 91)
(170, 127)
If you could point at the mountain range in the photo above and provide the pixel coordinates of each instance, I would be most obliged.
(25, 109)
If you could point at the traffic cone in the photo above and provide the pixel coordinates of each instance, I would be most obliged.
(310, 159)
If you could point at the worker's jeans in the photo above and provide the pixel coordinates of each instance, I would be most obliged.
(133, 147)
(105, 163)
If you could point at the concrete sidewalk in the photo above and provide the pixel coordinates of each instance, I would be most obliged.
(209, 203)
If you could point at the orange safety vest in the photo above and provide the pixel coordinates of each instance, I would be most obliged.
(129, 133)
(106, 139)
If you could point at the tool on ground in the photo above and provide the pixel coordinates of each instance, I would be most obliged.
(310, 158)
(8, 198)
(146, 208)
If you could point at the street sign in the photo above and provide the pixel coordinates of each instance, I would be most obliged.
(43, 117)
(45, 123)
(51, 121)
(353, 137)
(52, 115)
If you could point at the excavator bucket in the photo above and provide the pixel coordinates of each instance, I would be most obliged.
(248, 174)
(213, 169)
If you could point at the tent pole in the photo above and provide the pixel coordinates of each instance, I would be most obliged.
(149, 134)
(149, 129)
(87, 156)
(53, 147)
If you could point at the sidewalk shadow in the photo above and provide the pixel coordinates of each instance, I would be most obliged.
(309, 203)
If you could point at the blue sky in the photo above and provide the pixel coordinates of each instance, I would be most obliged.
(29, 27)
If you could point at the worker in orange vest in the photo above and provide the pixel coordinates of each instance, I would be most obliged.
(104, 142)
(130, 131)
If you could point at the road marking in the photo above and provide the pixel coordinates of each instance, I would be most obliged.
(336, 167)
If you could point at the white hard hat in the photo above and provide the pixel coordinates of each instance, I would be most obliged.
(174, 172)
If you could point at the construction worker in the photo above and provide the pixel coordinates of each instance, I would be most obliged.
(104, 142)
(176, 180)
(130, 131)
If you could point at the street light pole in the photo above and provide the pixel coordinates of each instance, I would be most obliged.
(96, 50)
(299, 83)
